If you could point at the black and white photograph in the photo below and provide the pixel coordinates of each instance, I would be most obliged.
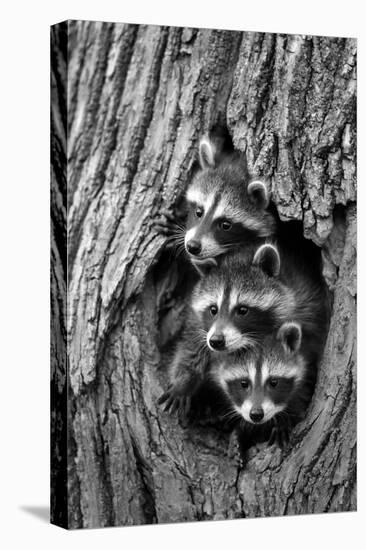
(203, 274)
(181, 285)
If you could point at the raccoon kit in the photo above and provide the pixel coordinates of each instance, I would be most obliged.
(268, 389)
(226, 209)
(240, 302)
(258, 317)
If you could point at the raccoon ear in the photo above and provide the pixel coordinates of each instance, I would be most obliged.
(268, 259)
(207, 152)
(205, 267)
(258, 194)
(290, 336)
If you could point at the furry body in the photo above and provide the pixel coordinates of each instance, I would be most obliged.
(223, 214)
(268, 389)
(242, 301)
(226, 209)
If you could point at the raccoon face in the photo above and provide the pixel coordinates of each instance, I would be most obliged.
(240, 304)
(261, 385)
(224, 211)
(239, 320)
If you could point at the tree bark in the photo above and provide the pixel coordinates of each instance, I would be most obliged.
(138, 99)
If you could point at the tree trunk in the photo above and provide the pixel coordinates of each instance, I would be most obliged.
(138, 98)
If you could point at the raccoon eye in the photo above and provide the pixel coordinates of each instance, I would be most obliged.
(242, 310)
(199, 212)
(225, 225)
(244, 383)
(213, 310)
(273, 382)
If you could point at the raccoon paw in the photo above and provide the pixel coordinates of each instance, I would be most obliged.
(175, 401)
(280, 436)
(234, 450)
(167, 224)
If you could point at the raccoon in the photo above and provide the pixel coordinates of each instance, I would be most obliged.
(242, 301)
(268, 389)
(226, 208)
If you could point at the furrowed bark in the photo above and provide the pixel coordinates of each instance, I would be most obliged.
(139, 97)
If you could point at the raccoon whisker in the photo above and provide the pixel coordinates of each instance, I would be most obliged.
(177, 231)
(227, 245)
(196, 340)
(230, 245)
(173, 238)
(252, 333)
(199, 332)
(180, 251)
(231, 415)
(170, 238)
(196, 336)
(178, 241)
(181, 227)
(201, 343)
(179, 246)
(251, 342)
(254, 337)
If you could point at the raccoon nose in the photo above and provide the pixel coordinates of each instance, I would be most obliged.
(217, 341)
(256, 414)
(194, 247)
